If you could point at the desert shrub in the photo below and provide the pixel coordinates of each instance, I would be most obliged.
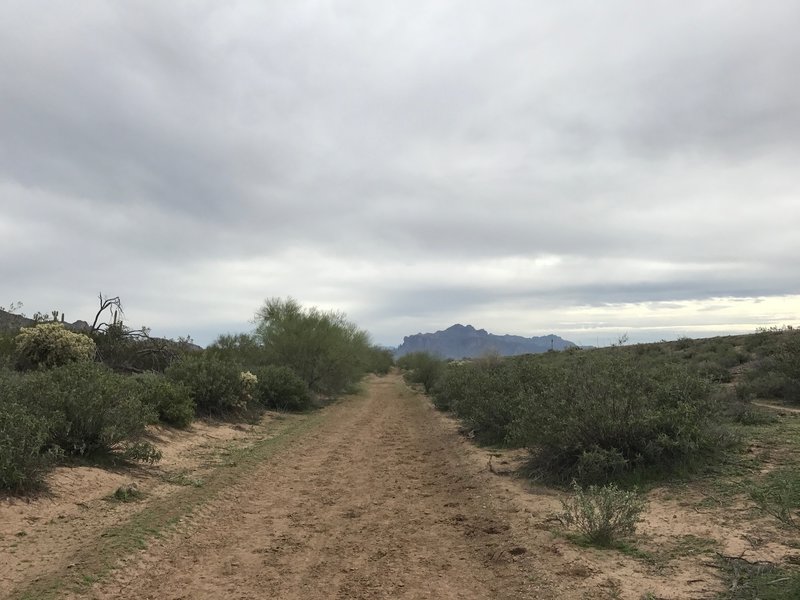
(379, 360)
(603, 515)
(8, 350)
(779, 495)
(776, 373)
(608, 416)
(141, 451)
(88, 409)
(742, 411)
(490, 394)
(714, 371)
(747, 414)
(765, 341)
(280, 388)
(170, 401)
(126, 493)
(787, 363)
(93, 408)
(759, 580)
(767, 381)
(422, 368)
(214, 385)
(23, 437)
(51, 345)
(453, 385)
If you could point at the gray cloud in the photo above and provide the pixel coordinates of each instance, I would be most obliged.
(368, 156)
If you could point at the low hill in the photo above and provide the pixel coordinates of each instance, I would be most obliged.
(464, 341)
(11, 323)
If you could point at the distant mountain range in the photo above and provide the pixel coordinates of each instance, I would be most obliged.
(464, 341)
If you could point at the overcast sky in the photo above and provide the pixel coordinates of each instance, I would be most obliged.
(578, 167)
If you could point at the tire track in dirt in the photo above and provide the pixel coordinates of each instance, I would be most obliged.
(377, 502)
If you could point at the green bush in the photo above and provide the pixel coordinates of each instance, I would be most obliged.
(215, 385)
(88, 409)
(171, 401)
(93, 409)
(714, 371)
(8, 350)
(776, 373)
(746, 413)
(490, 394)
(23, 437)
(779, 495)
(379, 360)
(610, 415)
(454, 385)
(787, 361)
(126, 493)
(766, 381)
(422, 368)
(280, 388)
(50, 345)
(603, 515)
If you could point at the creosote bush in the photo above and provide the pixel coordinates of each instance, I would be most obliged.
(92, 409)
(612, 416)
(603, 515)
(776, 372)
(23, 437)
(170, 401)
(280, 388)
(51, 345)
(489, 394)
(80, 408)
(423, 368)
(214, 385)
(593, 416)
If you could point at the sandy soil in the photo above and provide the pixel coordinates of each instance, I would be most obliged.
(384, 498)
(377, 502)
(41, 534)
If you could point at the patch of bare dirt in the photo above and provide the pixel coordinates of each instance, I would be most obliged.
(39, 534)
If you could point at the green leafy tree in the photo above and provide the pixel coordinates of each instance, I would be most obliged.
(243, 348)
(328, 352)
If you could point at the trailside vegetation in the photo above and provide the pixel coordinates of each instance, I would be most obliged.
(92, 393)
(328, 352)
(621, 414)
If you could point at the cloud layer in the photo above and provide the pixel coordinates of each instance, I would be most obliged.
(523, 166)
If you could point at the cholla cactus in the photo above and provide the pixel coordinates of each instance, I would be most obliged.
(50, 345)
(249, 381)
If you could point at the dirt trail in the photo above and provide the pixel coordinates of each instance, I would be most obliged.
(377, 502)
